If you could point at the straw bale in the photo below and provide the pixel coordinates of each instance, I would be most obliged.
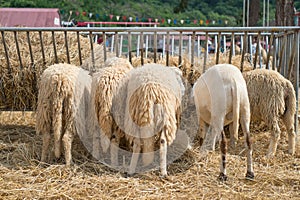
(18, 84)
(192, 176)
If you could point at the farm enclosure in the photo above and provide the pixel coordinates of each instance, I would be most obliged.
(192, 176)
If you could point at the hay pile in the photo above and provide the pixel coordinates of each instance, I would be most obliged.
(18, 83)
(22, 176)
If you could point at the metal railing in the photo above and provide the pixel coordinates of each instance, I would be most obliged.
(281, 46)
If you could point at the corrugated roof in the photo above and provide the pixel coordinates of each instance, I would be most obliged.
(29, 17)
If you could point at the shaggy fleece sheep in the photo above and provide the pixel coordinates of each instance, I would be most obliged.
(221, 98)
(62, 108)
(104, 87)
(147, 107)
(272, 97)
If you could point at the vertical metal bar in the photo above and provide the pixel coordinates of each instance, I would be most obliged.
(138, 46)
(104, 46)
(92, 50)
(164, 46)
(269, 51)
(206, 51)
(54, 47)
(129, 47)
(79, 48)
(6, 53)
(193, 48)
(218, 48)
(173, 45)
(296, 82)
(117, 43)
(168, 48)
(67, 46)
(121, 45)
(198, 46)
(244, 50)
(42, 47)
(257, 49)
(292, 57)
(281, 58)
(155, 46)
(30, 48)
(231, 48)
(189, 46)
(142, 47)
(146, 46)
(180, 48)
(18, 50)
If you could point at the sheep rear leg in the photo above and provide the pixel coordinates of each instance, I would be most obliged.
(223, 147)
(202, 131)
(274, 139)
(148, 151)
(114, 151)
(245, 123)
(135, 155)
(163, 154)
(289, 124)
(45, 148)
(67, 142)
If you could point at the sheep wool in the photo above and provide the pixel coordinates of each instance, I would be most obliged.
(62, 108)
(272, 97)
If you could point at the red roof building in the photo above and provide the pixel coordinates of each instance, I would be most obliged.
(29, 17)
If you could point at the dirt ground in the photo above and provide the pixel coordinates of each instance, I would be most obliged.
(192, 176)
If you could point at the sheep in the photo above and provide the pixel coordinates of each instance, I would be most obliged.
(147, 107)
(62, 107)
(272, 97)
(104, 86)
(221, 98)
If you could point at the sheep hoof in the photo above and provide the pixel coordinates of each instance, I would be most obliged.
(250, 176)
(223, 177)
(128, 175)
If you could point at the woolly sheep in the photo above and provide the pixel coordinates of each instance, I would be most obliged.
(272, 97)
(62, 108)
(104, 86)
(151, 112)
(221, 98)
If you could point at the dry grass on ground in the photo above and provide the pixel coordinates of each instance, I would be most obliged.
(193, 176)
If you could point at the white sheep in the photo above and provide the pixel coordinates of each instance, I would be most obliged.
(272, 97)
(147, 107)
(104, 86)
(221, 99)
(62, 110)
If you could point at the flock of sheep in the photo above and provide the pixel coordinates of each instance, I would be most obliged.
(139, 109)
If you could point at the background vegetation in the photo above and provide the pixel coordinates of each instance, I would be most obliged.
(188, 10)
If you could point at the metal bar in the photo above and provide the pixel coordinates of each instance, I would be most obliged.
(193, 48)
(206, 51)
(104, 45)
(129, 47)
(54, 47)
(116, 44)
(291, 59)
(79, 48)
(257, 49)
(142, 48)
(269, 51)
(231, 48)
(42, 47)
(155, 47)
(168, 49)
(18, 50)
(218, 48)
(296, 82)
(67, 46)
(92, 51)
(180, 49)
(244, 51)
(30, 48)
(281, 54)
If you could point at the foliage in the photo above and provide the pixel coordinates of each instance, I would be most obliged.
(189, 10)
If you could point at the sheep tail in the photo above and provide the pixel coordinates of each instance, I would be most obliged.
(290, 102)
(57, 102)
(236, 110)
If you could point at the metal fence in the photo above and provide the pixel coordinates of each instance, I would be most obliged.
(281, 45)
